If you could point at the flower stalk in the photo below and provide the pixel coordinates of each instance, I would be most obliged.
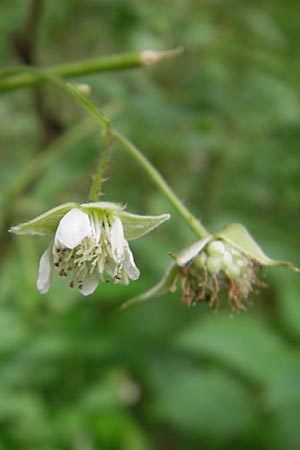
(98, 176)
(157, 178)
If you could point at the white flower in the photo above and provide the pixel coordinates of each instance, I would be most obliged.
(85, 247)
(90, 242)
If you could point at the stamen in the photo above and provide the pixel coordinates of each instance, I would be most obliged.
(62, 273)
(117, 278)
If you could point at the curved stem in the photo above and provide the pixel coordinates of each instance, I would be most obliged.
(93, 110)
(193, 223)
(104, 123)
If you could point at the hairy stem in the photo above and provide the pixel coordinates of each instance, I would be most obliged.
(102, 166)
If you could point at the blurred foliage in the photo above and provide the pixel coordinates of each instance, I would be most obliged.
(221, 122)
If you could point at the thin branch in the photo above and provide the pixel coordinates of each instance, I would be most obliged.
(9, 81)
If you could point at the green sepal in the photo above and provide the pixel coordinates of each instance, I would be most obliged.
(237, 235)
(167, 283)
(136, 226)
(45, 224)
(188, 254)
(103, 207)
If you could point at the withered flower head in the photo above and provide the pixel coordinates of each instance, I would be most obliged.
(219, 268)
(224, 265)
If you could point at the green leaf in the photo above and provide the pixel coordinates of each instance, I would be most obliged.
(45, 224)
(282, 401)
(205, 403)
(242, 343)
(136, 226)
(286, 288)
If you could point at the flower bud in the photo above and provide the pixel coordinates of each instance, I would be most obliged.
(216, 248)
(233, 270)
(201, 259)
(213, 264)
(226, 260)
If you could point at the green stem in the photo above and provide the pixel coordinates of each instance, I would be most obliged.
(123, 61)
(104, 123)
(98, 177)
(194, 223)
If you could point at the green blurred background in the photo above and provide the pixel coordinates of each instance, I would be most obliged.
(221, 122)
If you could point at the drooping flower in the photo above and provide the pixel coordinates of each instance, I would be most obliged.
(90, 243)
(222, 265)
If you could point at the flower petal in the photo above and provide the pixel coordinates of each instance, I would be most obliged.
(73, 228)
(136, 226)
(110, 267)
(89, 284)
(45, 271)
(129, 265)
(190, 253)
(45, 223)
(117, 240)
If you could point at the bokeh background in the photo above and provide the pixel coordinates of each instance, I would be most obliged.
(221, 122)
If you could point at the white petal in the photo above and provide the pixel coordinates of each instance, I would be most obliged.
(117, 240)
(129, 265)
(45, 271)
(89, 284)
(110, 267)
(73, 228)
